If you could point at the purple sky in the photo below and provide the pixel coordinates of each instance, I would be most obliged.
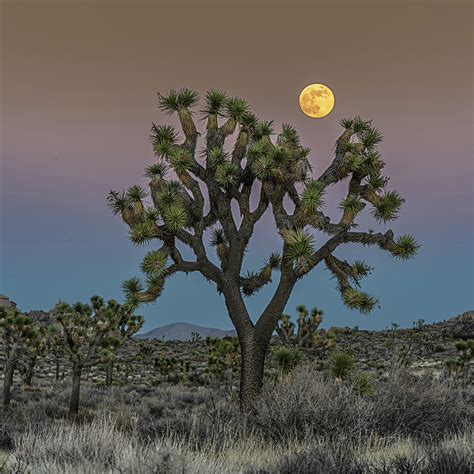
(78, 96)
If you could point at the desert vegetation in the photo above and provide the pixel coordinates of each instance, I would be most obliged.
(174, 407)
(82, 394)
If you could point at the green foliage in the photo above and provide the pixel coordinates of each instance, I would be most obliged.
(352, 204)
(163, 133)
(341, 364)
(226, 175)
(132, 286)
(223, 356)
(17, 332)
(263, 167)
(217, 157)
(154, 263)
(181, 160)
(274, 261)
(360, 270)
(362, 384)
(236, 108)
(215, 100)
(156, 170)
(287, 358)
(262, 129)
(175, 217)
(141, 233)
(175, 101)
(300, 247)
(288, 137)
(388, 207)
(405, 247)
(307, 332)
(312, 198)
(376, 181)
(165, 366)
(355, 299)
(89, 331)
(371, 137)
(117, 202)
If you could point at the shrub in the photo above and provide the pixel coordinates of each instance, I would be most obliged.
(287, 359)
(341, 364)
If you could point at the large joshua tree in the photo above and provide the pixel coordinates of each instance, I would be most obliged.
(218, 193)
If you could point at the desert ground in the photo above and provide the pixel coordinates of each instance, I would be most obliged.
(392, 403)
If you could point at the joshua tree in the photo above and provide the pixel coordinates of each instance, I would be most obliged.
(35, 348)
(307, 334)
(90, 334)
(127, 326)
(227, 193)
(223, 356)
(18, 331)
(56, 350)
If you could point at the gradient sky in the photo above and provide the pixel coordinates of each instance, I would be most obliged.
(78, 95)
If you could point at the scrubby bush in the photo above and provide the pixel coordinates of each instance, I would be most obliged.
(341, 364)
(307, 404)
(287, 359)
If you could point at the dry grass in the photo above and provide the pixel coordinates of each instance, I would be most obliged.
(304, 424)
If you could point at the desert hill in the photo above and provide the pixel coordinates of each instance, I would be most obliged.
(183, 332)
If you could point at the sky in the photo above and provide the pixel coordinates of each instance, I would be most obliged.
(78, 95)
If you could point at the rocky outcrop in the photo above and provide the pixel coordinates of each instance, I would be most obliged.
(6, 302)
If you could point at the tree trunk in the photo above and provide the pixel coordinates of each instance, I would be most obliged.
(8, 382)
(57, 370)
(75, 391)
(30, 367)
(108, 373)
(254, 339)
(252, 370)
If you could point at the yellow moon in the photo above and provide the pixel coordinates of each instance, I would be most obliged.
(317, 100)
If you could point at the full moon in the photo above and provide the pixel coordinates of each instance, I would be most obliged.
(316, 100)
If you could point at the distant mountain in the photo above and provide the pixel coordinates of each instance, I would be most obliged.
(183, 331)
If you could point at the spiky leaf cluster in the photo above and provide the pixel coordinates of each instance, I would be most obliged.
(405, 247)
(388, 207)
(355, 299)
(300, 248)
(215, 102)
(312, 198)
(175, 101)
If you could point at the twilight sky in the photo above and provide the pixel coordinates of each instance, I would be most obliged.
(78, 95)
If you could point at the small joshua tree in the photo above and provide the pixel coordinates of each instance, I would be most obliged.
(55, 348)
(460, 367)
(257, 175)
(18, 331)
(36, 347)
(90, 334)
(307, 333)
(223, 356)
(127, 325)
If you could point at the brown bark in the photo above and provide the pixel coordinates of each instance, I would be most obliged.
(252, 371)
(109, 374)
(75, 391)
(8, 382)
(30, 367)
